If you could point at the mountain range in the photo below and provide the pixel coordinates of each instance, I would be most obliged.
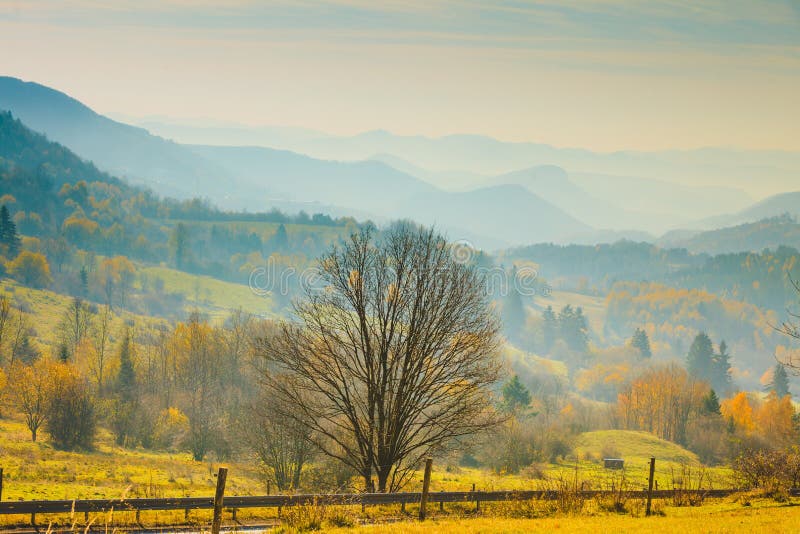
(383, 176)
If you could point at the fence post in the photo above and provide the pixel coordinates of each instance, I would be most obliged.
(1, 483)
(650, 484)
(477, 504)
(218, 498)
(426, 486)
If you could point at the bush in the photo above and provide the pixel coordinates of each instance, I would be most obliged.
(71, 418)
(772, 472)
(170, 429)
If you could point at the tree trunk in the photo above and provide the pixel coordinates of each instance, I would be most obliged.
(383, 479)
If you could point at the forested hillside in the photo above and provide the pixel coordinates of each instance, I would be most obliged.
(75, 218)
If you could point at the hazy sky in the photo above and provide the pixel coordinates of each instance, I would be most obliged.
(598, 74)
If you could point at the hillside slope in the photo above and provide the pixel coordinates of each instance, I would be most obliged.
(756, 236)
(773, 206)
(369, 185)
(119, 148)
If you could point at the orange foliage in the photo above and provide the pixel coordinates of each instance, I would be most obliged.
(660, 401)
(740, 410)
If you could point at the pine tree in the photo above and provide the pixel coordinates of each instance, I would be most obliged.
(549, 328)
(642, 342)
(513, 311)
(780, 381)
(573, 328)
(63, 353)
(700, 360)
(180, 245)
(721, 376)
(84, 275)
(8, 232)
(515, 395)
(126, 378)
(279, 242)
(711, 404)
(125, 414)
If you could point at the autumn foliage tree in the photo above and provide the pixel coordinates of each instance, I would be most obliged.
(31, 269)
(71, 418)
(661, 400)
(30, 388)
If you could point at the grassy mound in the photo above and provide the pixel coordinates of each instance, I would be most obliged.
(631, 444)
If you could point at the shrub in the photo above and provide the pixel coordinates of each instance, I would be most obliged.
(71, 418)
(170, 429)
(774, 472)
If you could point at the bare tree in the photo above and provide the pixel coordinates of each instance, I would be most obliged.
(392, 359)
(197, 362)
(282, 447)
(75, 324)
(20, 338)
(791, 330)
(101, 334)
(5, 322)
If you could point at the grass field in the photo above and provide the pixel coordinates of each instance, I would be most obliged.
(211, 296)
(45, 309)
(38, 471)
(634, 447)
(521, 360)
(725, 516)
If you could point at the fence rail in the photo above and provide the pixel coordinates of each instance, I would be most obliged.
(275, 501)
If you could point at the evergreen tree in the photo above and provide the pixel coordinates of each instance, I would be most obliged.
(780, 381)
(641, 342)
(515, 395)
(700, 360)
(63, 353)
(513, 311)
(711, 404)
(84, 282)
(8, 233)
(549, 328)
(279, 242)
(573, 328)
(180, 246)
(126, 407)
(721, 375)
(126, 378)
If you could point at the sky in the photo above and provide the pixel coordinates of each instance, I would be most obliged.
(598, 74)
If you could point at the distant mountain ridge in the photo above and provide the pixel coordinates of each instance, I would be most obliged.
(121, 149)
(772, 233)
(773, 206)
(256, 178)
(757, 172)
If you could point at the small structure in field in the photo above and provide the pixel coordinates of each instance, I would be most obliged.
(613, 463)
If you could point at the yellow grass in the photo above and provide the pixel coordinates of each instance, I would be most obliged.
(517, 358)
(214, 297)
(38, 471)
(728, 516)
(46, 309)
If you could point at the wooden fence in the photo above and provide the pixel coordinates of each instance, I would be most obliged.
(327, 499)
(233, 503)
